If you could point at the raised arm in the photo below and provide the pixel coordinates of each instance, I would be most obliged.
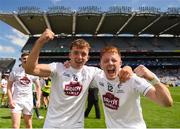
(32, 67)
(159, 93)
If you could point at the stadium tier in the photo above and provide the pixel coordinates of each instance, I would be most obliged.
(6, 64)
(150, 51)
(137, 33)
(92, 20)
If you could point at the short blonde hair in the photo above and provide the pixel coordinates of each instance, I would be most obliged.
(110, 49)
(80, 43)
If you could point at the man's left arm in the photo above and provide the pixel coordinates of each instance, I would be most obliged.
(159, 93)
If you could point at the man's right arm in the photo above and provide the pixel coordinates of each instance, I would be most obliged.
(9, 92)
(32, 67)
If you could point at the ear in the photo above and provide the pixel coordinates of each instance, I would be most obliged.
(120, 63)
(69, 55)
(100, 65)
(88, 58)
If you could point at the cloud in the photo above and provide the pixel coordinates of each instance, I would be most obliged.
(55, 1)
(17, 38)
(7, 49)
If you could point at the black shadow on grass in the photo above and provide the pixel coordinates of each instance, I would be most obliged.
(6, 117)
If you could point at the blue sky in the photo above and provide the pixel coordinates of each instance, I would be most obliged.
(12, 41)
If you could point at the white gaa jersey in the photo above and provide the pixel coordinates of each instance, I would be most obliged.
(68, 95)
(22, 84)
(121, 101)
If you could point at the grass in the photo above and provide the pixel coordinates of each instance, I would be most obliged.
(154, 115)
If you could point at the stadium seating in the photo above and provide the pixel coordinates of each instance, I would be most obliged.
(6, 64)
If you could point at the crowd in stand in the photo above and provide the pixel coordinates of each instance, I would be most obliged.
(168, 76)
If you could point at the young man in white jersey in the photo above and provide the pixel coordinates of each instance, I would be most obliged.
(3, 86)
(21, 99)
(69, 85)
(121, 101)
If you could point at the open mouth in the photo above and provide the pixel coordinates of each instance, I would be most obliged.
(111, 70)
(79, 62)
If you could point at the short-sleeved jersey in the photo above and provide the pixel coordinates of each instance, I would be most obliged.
(68, 95)
(22, 83)
(121, 101)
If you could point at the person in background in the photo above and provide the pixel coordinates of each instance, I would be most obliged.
(3, 86)
(34, 102)
(21, 99)
(46, 89)
(93, 99)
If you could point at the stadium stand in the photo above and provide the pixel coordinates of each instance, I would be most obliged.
(146, 36)
(6, 64)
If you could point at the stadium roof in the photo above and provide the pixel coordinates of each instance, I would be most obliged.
(116, 21)
(6, 64)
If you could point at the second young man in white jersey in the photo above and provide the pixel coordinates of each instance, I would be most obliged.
(21, 97)
(121, 101)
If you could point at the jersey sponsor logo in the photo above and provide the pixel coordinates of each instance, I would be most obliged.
(25, 81)
(119, 89)
(101, 84)
(111, 101)
(66, 74)
(73, 89)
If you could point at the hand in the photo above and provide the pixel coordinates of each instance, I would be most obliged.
(46, 36)
(38, 104)
(12, 104)
(67, 64)
(144, 72)
(125, 73)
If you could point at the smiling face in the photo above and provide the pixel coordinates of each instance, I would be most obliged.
(79, 54)
(78, 57)
(110, 62)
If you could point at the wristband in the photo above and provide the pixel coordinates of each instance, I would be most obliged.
(154, 81)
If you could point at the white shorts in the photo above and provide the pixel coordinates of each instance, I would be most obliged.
(23, 107)
(4, 90)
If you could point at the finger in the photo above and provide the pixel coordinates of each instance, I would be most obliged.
(124, 76)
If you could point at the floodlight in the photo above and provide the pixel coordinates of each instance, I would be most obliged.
(59, 9)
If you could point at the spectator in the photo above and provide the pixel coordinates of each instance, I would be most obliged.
(3, 86)
(34, 102)
(46, 89)
(93, 100)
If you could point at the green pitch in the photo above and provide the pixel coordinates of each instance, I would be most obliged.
(154, 115)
